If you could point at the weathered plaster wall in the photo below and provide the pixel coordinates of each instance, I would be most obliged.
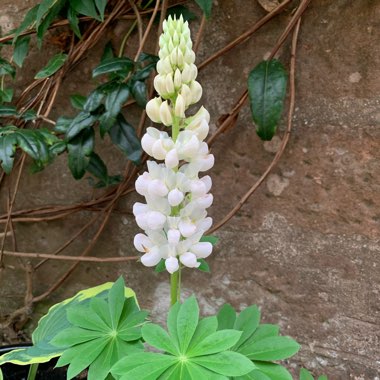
(306, 247)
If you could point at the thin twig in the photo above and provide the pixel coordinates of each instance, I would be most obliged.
(284, 140)
(245, 36)
(200, 33)
(138, 19)
(32, 255)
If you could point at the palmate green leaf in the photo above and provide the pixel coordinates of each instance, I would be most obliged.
(103, 332)
(193, 349)
(79, 151)
(21, 49)
(272, 348)
(206, 6)
(247, 322)
(267, 89)
(123, 135)
(227, 363)
(187, 321)
(53, 323)
(272, 371)
(226, 317)
(157, 337)
(52, 67)
(120, 65)
(305, 374)
(85, 7)
(216, 342)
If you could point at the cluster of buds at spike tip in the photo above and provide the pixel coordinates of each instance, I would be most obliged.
(174, 217)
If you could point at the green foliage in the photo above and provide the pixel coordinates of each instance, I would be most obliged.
(99, 170)
(258, 342)
(206, 6)
(192, 348)
(52, 67)
(41, 145)
(21, 49)
(6, 68)
(267, 90)
(306, 375)
(210, 239)
(100, 334)
(52, 324)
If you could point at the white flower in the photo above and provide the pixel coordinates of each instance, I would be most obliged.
(153, 109)
(189, 259)
(171, 264)
(202, 250)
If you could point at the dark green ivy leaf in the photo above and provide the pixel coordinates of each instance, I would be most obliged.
(79, 151)
(72, 17)
(78, 101)
(124, 136)
(81, 121)
(139, 93)
(99, 170)
(267, 90)
(6, 95)
(206, 6)
(21, 49)
(7, 111)
(28, 21)
(120, 65)
(6, 68)
(52, 67)
(86, 8)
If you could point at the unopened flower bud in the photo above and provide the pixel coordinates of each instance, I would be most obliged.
(165, 114)
(189, 260)
(177, 79)
(196, 91)
(187, 94)
(157, 188)
(174, 236)
(171, 159)
(179, 109)
(153, 109)
(169, 84)
(171, 265)
(175, 197)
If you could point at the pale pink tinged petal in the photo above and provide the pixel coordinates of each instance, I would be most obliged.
(174, 236)
(155, 220)
(151, 258)
(142, 243)
(202, 250)
(171, 159)
(187, 228)
(157, 187)
(189, 260)
(175, 197)
(158, 151)
(171, 265)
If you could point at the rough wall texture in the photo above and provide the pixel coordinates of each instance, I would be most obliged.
(306, 247)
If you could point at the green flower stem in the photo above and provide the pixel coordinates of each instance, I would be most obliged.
(32, 371)
(175, 287)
